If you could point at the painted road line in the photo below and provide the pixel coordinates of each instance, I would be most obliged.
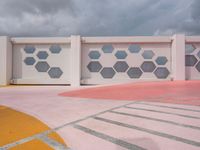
(136, 137)
(171, 107)
(91, 116)
(189, 113)
(155, 125)
(52, 143)
(10, 145)
(181, 115)
(178, 119)
(109, 138)
(21, 141)
(78, 140)
(156, 119)
(193, 107)
(172, 137)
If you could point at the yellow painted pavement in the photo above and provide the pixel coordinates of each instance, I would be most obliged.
(15, 125)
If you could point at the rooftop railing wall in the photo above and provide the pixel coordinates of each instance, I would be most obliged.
(80, 60)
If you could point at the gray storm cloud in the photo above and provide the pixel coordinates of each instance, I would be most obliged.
(99, 17)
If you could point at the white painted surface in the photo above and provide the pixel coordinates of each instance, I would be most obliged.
(191, 72)
(5, 60)
(178, 57)
(132, 59)
(27, 74)
(73, 59)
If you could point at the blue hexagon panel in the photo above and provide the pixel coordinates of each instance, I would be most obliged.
(190, 60)
(198, 66)
(94, 55)
(94, 66)
(161, 73)
(29, 61)
(29, 49)
(148, 66)
(42, 55)
(121, 54)
(198, 54)
(42, 66)
(108, 48)
(161, 60)
(121, 66)
(189, 48)
(134, 48)
(107, 72)
(55, 49)
(134, 72)
(55, 72)
(148, 54)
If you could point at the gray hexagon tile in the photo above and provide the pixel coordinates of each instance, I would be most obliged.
(189, 48)
(29, 61)
(42, 66)
(42, 55)
(148, 66)
(161, 60)
(108, 48)
(198, 66)
(94, 66)
(94, 55)
(29, 49)
(198, 54)
(148, 54)
(55, 49)
(134, 48)
(161, 73)
(134, 72)
(120, 54)
(121, 66)
(55, 72)
(107, 72)
(190, 60)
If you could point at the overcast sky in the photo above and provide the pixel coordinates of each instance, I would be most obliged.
(99, 17)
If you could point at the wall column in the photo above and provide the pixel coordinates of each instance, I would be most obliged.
(5, 60)
(178, 57)
(75, 60)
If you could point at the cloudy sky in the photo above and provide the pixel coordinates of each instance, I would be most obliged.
(99, 17)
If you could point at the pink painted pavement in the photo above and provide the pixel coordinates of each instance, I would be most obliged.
(118, 117)
(179, 92)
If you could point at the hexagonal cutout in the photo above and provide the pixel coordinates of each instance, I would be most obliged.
(42, 55)
(55, 72)
(107, 72)
(134, 72)
(161, 60)
(134, 48)
(148, 54)
(148, 66)
(120, 54)
(198, 54)
(29, 61)
(190, 60)
(94, 66)
(108, 48)
(189, 48)
(198, 66)
(55, 49)
(29, 49)
(121, 66)
(94, 55)
(161, 73)
(42, 66)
